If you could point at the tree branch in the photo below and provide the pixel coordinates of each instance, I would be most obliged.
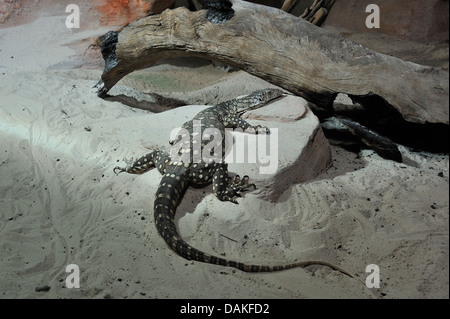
(284, 50)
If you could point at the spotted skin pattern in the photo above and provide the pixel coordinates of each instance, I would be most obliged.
(219, 11)
(177, 176)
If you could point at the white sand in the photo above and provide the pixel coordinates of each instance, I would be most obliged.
(61, 204)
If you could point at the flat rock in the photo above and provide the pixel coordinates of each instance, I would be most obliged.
(296, 150)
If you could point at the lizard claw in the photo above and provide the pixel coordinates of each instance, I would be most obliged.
(240, 185)
(117, 170)
(235, 188)
(258, 129)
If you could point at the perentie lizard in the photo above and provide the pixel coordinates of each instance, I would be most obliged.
(177, 175)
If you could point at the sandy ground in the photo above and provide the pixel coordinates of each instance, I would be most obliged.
(61, 204)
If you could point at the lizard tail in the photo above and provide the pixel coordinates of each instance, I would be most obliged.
(167, 229)
(185, 250)
(169, 194)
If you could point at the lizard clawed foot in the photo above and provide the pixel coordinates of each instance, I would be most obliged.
(129, 163)
(264, 130)
(117, 170)
(258, 129)
(237, 186)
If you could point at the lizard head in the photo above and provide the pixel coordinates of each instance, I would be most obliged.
(266, 94)
(257, 99)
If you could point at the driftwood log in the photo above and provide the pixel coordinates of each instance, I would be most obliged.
(284, 50)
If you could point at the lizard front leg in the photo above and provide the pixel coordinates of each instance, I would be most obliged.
(158, 159)
(235, 121)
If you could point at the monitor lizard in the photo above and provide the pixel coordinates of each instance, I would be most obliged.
(178, 175)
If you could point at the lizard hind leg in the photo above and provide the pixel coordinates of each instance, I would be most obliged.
(226, 189)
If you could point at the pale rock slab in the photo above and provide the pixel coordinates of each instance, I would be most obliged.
(296, 151)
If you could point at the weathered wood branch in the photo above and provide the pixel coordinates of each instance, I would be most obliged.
(284, 50)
